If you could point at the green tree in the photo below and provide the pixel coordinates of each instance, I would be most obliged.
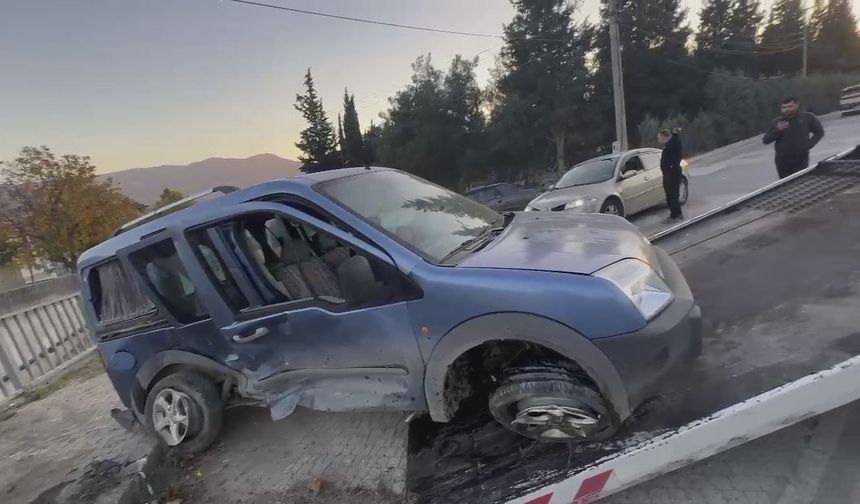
(433, 126)
(782, 38)
(9, 246)
(835, 41)
(353, 144)
(372, 140)
(544, 83)
(744, 25)
(727, 35)
(714, 25)
(167, 197)
(56, 207)
(317, 141)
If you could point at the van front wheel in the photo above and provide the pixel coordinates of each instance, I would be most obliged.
(549, 404)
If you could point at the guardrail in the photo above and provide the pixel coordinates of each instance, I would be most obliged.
(39, 339)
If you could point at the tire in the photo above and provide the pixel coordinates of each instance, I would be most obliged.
(540, 403)
(197, 399)
(612, 206)
(684, 191)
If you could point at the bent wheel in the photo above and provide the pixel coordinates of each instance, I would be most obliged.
(551, 405)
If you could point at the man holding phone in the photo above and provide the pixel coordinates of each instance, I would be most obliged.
(795, 133)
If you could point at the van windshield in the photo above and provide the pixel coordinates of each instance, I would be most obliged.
(429, 219)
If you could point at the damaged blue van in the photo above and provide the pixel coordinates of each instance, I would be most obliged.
(369, 288)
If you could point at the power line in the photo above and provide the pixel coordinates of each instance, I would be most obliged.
(394, 25)
(368, 21)
(485, 35)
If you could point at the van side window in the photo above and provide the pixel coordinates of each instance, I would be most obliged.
(115, 295)
(213, 264)
(292, 262)
(161, 266)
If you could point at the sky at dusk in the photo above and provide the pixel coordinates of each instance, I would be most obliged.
(138, 83)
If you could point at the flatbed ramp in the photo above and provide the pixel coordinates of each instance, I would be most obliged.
(777, 275)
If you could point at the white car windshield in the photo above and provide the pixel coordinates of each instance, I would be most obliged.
(590, 172)
(429, 219)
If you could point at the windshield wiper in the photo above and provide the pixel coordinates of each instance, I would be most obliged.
(482, 239)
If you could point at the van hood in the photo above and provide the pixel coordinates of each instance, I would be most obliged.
(563, 242)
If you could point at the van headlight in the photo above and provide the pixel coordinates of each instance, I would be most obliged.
(641, 284)
(580, 203)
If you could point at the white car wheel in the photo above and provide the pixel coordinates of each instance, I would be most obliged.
(683, 191)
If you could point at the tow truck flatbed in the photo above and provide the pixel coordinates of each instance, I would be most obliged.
(778, 278)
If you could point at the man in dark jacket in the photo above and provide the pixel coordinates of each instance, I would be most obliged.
(670, 165)
(795, 133)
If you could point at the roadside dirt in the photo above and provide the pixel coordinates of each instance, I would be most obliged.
(59, 444)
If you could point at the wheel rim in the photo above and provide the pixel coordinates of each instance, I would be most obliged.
(556, 421)
(611, 208)
(171, 415)
(682, 192)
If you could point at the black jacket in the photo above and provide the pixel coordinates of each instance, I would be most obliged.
(794, 142)
(670, 160)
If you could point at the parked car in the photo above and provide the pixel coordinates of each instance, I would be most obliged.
(369, 288)
(619, 184)
(849, 102)
(503, 196)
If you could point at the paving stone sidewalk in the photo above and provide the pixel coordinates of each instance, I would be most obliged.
(65, 447)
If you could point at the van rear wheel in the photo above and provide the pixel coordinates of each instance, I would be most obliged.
(184, 412)
(550, 404)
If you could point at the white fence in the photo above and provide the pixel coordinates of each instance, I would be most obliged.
(40, 338)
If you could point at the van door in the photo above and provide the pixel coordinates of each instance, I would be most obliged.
(326, 326)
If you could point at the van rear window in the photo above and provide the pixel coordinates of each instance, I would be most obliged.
(116, 296)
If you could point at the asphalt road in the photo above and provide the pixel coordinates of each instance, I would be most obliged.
(814, 462)
(725, 174)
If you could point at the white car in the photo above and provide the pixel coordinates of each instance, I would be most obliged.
(622, 184)
(849, 102)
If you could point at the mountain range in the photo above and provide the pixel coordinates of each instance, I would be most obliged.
(144, 185)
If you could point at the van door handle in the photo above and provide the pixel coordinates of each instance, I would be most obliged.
(258, 333)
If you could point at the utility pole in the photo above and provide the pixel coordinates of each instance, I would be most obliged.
(805, 41)
(617, 77)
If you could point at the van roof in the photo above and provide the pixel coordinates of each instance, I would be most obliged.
(298, 184)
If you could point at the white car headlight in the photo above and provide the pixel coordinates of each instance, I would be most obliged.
(528, 209)
(580, 202)
(641, 284)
